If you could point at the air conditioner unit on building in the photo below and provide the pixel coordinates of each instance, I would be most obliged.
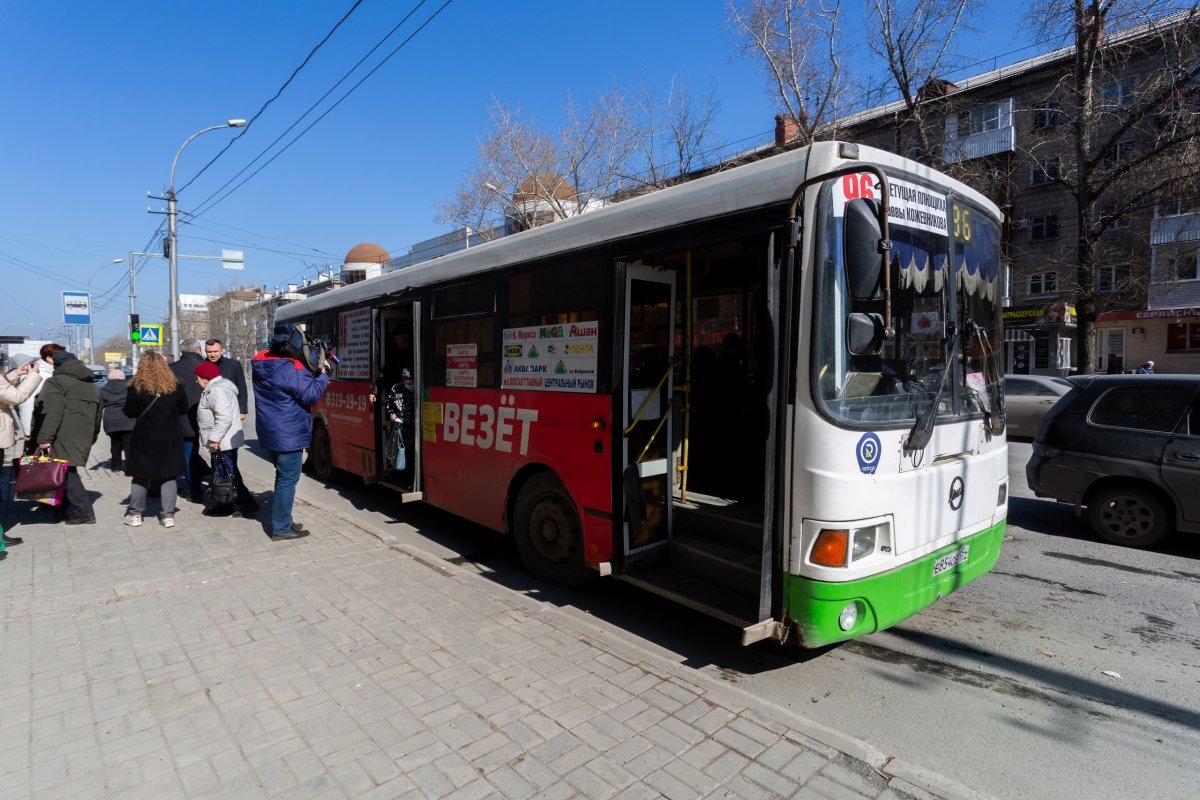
(1020, 224)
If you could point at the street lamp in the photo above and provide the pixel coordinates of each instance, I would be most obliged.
(173, 271)
(92, 311)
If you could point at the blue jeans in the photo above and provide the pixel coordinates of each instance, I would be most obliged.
(287, 475)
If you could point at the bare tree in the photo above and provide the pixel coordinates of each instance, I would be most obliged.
(1131, 135)
(915, 43)
(527, 176)
(800, 47)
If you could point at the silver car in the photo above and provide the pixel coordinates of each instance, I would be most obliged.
(1028, 398)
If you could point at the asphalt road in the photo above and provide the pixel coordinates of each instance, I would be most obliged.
(1070, 671)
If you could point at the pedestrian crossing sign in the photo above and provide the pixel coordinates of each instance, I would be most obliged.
(151, 336)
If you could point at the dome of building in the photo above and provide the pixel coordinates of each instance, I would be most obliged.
(536, 187)
(367, 253)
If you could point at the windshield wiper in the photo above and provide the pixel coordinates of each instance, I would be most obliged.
(922, 432)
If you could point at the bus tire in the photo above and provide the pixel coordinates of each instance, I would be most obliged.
(548, 533)
(320, 454)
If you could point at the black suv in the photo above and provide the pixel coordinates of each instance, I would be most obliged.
(1128, 448)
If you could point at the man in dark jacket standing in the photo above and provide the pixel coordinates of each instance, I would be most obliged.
(184, 369)
(66, 420)
(284, 392)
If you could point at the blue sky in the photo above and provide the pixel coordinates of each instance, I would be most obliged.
(98, 97)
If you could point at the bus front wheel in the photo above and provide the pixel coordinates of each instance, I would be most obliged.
(320, 454)
(548, 533)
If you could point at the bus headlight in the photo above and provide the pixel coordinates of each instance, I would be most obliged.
(849, 616)
(864, 543)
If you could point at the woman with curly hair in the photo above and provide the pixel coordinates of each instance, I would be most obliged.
(155, 401)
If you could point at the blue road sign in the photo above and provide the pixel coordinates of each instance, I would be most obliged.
(151, 335)
(77, 308)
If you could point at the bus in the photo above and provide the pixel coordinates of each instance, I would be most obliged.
(772, 393)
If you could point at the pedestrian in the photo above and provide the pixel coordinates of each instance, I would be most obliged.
(45, 367)
(231, 370)
(220, 426)
(1146, 369)
(17, 387)
(184, 369)
(1114, 364)
(401, 411)
(66, 422)
(116, 424)
(156, 402)
(284, 392)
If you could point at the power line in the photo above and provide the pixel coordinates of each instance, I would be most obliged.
(274, 97)
(209, 203)
(192, 220)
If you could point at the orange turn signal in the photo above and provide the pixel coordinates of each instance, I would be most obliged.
(830, 548)
(598, 424)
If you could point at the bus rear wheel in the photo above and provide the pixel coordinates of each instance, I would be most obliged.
(320, 454)
(548, 533)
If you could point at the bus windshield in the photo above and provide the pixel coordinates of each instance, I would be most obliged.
(945, 268)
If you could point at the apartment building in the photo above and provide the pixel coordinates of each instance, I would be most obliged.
(1010, 133)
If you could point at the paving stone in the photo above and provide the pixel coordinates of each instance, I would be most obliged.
(214, 663)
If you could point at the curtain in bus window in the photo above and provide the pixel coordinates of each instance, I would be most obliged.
(922, 267)
(979, 271)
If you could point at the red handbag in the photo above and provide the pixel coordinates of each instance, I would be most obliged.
(40, 474)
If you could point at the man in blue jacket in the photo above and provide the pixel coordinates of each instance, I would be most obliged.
(284, 392)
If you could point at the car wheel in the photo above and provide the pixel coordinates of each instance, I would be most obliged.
(548, 533)
(1129, 516)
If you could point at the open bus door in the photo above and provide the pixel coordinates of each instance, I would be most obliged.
(646, 419)
(398, 347)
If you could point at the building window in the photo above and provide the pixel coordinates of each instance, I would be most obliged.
(1119, 154)
(1045, 172)
(1111, 219)
(1120, 93)
(1043, 228)
(1183, 337)
(984, 118)
(1047, 115)
(1109, 278)
(1041, 283)
(1186, 203)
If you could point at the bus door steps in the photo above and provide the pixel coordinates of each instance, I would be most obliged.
(701, 595)
(735, 567)
(739, 523)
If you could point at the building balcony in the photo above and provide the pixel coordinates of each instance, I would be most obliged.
(978, 145)
(1174, 229)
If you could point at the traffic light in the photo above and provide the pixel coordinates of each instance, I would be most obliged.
(135, 329)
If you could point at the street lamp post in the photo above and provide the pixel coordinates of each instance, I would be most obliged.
(92, 311)
(173, 270)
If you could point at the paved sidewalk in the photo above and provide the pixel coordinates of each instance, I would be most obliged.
(208, 661)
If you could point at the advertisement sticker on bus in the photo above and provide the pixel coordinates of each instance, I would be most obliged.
(462, 365)
(354, 344)
(910, 205)
(551, 357)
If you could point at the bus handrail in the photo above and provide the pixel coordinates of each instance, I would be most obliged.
(646, 403)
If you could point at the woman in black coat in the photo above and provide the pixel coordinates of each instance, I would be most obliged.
(116, 424)
(155, 401)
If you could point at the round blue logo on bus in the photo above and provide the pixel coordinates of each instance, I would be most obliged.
(869, 453)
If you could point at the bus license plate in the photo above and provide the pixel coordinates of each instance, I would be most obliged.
(951, 560)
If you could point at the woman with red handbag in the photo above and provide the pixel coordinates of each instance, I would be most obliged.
(66, 422)
(18, 386)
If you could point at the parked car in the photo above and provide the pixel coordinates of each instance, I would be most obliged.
(1028, 398)
(1126, 447)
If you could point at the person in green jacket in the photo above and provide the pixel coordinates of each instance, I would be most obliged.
(66, 421)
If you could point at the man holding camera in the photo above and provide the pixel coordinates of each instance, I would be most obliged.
(285, 389)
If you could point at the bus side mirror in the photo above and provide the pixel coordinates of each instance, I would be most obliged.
(861, 236)
(864, 334)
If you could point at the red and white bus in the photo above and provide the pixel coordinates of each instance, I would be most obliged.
(771, 393)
